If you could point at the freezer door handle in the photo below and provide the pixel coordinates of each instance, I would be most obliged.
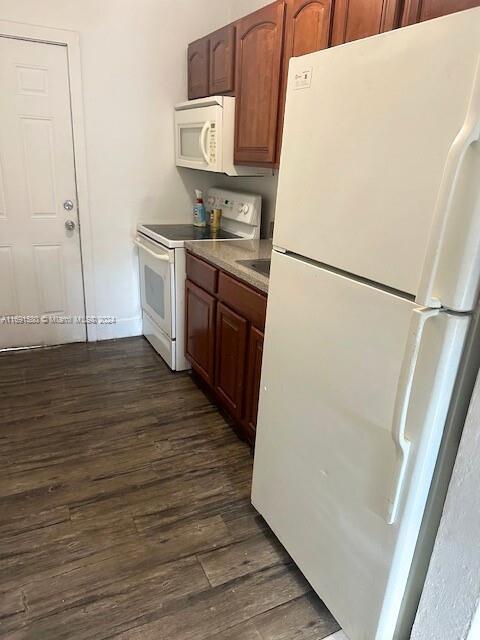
(402, 402)
(468, 135)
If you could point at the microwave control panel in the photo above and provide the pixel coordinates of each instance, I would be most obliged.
(213, 143)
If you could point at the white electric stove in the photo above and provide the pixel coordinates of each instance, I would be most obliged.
(163, 265)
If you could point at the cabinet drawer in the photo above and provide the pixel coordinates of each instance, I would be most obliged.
(240, 297)
(202, 274)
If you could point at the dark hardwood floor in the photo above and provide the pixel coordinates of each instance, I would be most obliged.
(125, 509)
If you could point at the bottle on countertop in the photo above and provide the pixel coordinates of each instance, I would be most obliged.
(199, 213)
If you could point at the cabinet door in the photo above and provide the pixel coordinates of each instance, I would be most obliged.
(307, 29)
(230, 358)
(222, 61)
(419, 10)
(258, 68)
(254, 370)
(200, 330)
(355, 19)
(198, 69)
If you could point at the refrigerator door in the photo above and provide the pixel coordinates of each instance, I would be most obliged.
(380, 160)
(352, 409)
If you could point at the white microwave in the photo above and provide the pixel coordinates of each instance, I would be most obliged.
(204, 136)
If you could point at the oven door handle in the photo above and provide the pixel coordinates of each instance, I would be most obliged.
(163, 258)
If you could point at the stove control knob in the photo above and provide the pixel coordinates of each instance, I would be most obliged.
(211, 200)
(244, 208)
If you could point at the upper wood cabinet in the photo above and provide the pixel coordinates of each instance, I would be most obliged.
(419, 10)
(355, 19)
(250, 58)
(211, 64)
(198, 68)
(307, 29)
(258, 69)
(222, 61)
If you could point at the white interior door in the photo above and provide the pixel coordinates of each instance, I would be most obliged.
(41, 288)
(355, 389)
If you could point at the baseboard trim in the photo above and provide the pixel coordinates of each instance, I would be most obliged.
(122, 328)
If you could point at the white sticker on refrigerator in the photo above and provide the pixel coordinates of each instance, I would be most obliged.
(303, 79)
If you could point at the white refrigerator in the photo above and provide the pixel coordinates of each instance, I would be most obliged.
(371, 343)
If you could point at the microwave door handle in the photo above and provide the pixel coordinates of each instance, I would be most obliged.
(163, 258)
(203, 141)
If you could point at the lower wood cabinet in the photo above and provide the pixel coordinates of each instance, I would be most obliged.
(254, 370)
(230, 358)
(224, 328)
(200, 330)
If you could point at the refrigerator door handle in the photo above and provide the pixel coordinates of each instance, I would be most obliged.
(468, 134)
(402, 402)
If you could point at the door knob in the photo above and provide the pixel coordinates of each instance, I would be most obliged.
(69, 225)
(68, 205)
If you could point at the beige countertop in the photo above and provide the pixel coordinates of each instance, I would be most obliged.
(225, 253)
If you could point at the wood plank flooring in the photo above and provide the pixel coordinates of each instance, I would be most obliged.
(125, 511)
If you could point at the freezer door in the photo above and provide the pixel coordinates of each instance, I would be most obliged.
(379, 167)
(355, 389)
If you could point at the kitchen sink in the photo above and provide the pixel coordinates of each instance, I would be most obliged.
(261, 266)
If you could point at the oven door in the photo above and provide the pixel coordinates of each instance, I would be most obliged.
(157, 282)
(198, 134)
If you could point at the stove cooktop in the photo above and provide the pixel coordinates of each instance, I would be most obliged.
(189, 232)
(174, 235)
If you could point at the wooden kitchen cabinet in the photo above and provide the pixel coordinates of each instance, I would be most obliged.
(254, 370)
(200, 330)
(224, 327)
(211, 64)
(307, 29)
(420, 10)
(355, 19)
(222, 61)
(230, 358)
(258, 74)
(198, 68)
(249, 59)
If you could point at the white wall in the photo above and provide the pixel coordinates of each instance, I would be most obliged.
(242, 8)
(134, 71)
(450, 603)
